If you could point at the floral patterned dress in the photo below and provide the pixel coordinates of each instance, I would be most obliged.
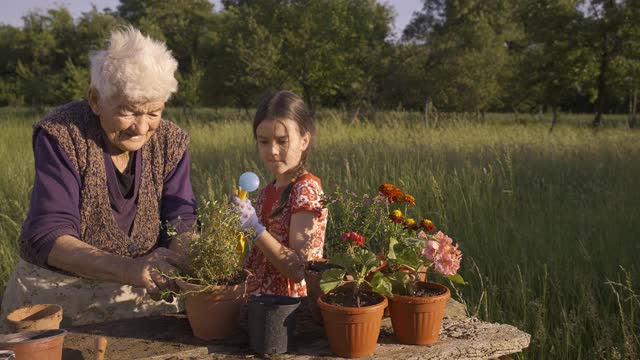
(305, 195)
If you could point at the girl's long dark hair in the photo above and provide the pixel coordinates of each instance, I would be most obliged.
(287, 105)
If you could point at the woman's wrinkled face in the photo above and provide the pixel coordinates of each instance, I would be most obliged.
(127, 126)
(280, 146)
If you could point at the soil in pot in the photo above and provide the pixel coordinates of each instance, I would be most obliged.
(41, 344)
(352, 331)
(35, 317)
(417, 319)
(271, 323)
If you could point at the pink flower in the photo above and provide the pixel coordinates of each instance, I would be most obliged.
(422, 235)
(431, 250)
(441, 251)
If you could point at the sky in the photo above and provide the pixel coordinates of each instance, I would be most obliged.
(13, 10)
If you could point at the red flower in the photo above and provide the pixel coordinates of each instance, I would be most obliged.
(427, 225)
(353, 237)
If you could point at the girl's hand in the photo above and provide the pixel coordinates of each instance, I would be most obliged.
(248, 217)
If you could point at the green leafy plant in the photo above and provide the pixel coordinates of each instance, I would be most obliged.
(413, 248)
(408, 249)
(355, 264)
(213, 257)
(413, 257)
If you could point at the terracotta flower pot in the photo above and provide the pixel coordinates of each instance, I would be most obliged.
(312, 276)
(213, 314)
(417, 320)
(41, 344)
(35, 317)
(352, 331)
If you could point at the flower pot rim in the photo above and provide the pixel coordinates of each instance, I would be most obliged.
(191, 287)
(329, 265)
(423, 299)
(293, 301)
(12, 317)
(27, 337)
(352, 310)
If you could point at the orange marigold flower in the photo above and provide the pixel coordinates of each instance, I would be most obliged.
(407, 199)
(410, 224)
(391, 192)
(396, 216)
(427, 225)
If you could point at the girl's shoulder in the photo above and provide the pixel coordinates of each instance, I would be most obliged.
(308, 180)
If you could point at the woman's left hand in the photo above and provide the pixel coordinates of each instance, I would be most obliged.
(152, 272)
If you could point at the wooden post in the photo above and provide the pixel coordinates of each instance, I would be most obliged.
(100, 348)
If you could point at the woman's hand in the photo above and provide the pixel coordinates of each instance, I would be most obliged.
(248, 216)
(150, 272)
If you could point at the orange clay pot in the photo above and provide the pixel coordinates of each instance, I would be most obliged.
(40, 345)
(417, 320)
(213, 314)
(312, 276)
(352, 331)
(35, 317)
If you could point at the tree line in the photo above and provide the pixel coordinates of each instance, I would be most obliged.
(454, 55)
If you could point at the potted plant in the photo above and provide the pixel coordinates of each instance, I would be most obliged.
(213, 281)
(352, 307)
(349, 211)
(417, 305)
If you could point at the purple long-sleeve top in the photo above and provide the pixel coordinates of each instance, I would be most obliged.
(55, 200)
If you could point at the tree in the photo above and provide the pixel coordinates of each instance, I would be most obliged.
(553, 64)
(467, 52)
(326, 50)
(604, 27)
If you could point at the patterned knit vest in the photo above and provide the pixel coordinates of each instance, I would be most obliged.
(77, 129)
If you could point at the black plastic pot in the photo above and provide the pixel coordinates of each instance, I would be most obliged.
(271, 323)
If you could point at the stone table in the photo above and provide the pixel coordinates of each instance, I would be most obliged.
(169, 337)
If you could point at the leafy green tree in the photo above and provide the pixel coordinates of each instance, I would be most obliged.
(467, 50)
(605, 23)
(552, 63)
(326, 50)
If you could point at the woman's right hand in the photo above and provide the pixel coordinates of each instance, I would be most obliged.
(147, 271)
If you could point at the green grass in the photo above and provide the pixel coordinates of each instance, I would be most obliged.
(548, 222)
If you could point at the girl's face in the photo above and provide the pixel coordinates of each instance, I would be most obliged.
(280, 147)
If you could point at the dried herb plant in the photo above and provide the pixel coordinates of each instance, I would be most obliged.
(213, 257)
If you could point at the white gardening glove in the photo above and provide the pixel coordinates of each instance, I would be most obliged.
(248, 217)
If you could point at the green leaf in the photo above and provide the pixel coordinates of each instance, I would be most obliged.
(457, 278)
(366, 258)
(381, 284)
(399, 282)
(342, 260)
(392, 242)
(407, 254)
(331, 279)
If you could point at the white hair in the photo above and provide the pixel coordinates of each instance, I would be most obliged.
(135, 66)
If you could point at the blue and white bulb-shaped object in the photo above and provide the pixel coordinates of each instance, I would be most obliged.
(248, 182)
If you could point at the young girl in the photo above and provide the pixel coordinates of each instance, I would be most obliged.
(289, 219)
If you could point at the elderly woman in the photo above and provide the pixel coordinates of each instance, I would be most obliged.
(110, 176)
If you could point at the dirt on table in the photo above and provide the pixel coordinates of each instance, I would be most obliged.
(166, 335)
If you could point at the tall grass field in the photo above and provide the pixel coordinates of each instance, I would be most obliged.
(548, 222)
